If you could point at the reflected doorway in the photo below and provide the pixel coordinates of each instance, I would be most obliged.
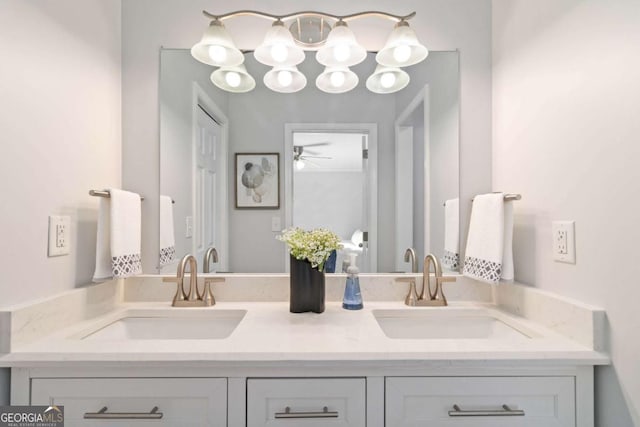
(332, 185)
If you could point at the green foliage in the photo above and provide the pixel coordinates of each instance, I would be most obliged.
(313, 245)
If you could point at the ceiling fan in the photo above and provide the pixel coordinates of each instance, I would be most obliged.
(298, 151)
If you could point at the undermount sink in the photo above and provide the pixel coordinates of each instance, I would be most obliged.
(445, 323)
(216, 324)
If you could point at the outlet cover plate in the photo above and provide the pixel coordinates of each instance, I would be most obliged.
(59, 235)
(564, 241)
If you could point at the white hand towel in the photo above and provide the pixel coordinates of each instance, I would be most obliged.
(125, 233)
(489, 255)
(451, 258)
(119, 236)
(167, 234)
(103, 247)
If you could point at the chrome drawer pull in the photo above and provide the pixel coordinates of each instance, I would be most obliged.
(102, 414)
(504, 412)
(324, 414)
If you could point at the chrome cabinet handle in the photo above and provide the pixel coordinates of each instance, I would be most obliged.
(102, 414)
(506, 411)
(324, 414)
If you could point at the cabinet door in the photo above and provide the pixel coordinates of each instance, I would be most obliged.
(309, 402)
(181, 401)
(480, 401)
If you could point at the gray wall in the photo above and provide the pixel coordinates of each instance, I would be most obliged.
(441, 25)
(258, 125)
(566, 129)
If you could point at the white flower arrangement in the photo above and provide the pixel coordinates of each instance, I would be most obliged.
(313, 245)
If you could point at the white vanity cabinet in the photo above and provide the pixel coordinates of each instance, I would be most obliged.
(312, 402)
(480, 401)
(178, 402)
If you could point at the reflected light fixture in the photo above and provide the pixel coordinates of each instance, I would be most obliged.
(286, 41)
(387, 80)
(337, 80)
(285, 79)
(233, 79)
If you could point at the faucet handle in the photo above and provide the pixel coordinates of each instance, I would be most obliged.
(207, 295)
(443, 279)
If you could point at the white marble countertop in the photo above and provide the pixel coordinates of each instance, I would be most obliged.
(269, 333)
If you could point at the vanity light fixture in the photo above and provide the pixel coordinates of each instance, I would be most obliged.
(291, 35)
(402, 48)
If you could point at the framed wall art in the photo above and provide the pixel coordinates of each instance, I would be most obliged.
(257, 180)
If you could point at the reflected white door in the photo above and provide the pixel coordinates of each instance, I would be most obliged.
(331, 188)
(207, 159)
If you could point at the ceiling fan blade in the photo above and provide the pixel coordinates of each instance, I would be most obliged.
(316, 157)
(316, 144)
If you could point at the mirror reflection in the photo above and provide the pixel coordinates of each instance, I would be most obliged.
(405, 170)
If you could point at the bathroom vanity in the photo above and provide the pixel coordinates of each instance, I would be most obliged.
(503, 356)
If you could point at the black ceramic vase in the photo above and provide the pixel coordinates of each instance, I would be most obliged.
(306, 287)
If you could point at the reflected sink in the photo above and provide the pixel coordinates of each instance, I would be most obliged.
(217, 324)
(445, 323)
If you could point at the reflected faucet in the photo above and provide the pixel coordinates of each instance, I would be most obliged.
(410, 256)
(192, 298)
(412, 296)
(210, 255)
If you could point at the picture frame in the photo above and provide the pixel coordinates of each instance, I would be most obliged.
(257, 180)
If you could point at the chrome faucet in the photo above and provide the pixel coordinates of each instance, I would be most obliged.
(210, 255)
(192, 298)
(435, 297)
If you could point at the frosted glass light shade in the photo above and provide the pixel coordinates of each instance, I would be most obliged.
(279, 48)
(341, 48)
(402, 48)
(285, 80)
(337, 80)
(233, 79)
(216, 47)
(387, 80)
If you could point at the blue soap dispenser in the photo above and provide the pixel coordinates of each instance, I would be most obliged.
(352, 297)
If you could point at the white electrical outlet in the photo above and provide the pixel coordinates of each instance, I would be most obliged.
(59, 239)
(564, 241)
(275, 224)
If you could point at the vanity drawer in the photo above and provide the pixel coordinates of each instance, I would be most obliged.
(343, 398)
(545, 401)
(182, 401)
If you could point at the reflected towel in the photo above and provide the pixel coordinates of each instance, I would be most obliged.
(451, 258)
(489, 253)
(167, 234)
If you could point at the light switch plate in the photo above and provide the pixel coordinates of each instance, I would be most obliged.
(564, 242)
(59, 238)
(188, 229)
(275, 224)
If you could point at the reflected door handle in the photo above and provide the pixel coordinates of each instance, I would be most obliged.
(102, 414)
(506, 411)
(324, 414)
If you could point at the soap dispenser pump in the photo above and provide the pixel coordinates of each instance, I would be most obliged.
(352, 297)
